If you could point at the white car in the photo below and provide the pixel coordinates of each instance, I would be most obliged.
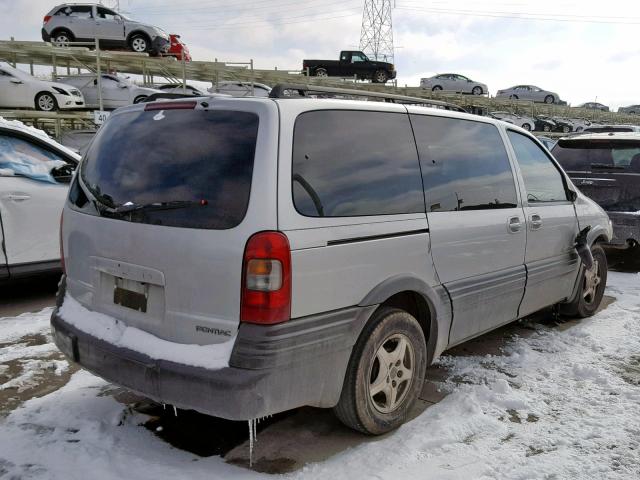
(116, 91)
(523, 122)
(35, 172)
(18, 89)
(241, 89)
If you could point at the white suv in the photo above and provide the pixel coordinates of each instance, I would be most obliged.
(271, 253)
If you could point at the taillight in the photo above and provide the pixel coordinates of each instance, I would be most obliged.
(46, 19)
(171, 105)
(266, 279)
(64, 269)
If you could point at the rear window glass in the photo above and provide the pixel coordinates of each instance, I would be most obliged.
(198, 163)
(351, 163)
(583, 156)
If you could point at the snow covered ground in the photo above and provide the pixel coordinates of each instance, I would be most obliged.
(560, 403)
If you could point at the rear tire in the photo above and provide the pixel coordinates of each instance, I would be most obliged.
(591, 289)
(140, 99)
(513, 97)
(566, 129)
(546, 128)
(437, 88)
(321, 72)
(527, 127)
(385, 373)
(62, 38)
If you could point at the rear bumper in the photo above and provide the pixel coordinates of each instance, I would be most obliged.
(45, 35)
(272, 368)
(626, 227)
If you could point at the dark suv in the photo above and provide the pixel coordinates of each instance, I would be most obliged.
(606, 167)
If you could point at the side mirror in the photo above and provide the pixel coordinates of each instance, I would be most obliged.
(118, 18)
(16, 81)
(572, 194)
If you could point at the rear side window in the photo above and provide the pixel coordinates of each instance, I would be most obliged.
(464, 164)
(185, 168)
(542, 179)
(352, 163)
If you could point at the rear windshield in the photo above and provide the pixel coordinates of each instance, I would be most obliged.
(584, 156)
(181, 168)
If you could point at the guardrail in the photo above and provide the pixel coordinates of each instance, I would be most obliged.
(81, 57)
(53, 123)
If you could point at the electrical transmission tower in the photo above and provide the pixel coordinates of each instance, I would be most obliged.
(376, 36)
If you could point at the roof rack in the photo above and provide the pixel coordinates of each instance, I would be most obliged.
(299, 90)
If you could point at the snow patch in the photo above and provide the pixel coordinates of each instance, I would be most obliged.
(115, 332)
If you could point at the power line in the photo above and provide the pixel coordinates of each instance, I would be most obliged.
(273, 23)
(528, 16)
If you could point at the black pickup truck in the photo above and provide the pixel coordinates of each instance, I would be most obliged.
(351, 63)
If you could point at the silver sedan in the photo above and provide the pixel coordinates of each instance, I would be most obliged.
(529, 92)
(452, 82)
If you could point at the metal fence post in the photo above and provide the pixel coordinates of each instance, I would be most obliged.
(99, 73)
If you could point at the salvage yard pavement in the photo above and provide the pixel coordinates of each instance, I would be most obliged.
(537, 399)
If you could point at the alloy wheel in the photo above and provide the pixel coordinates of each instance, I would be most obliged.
(391, 373)
(46, 102)
(61, 40)
(592, 279)
(139, 44)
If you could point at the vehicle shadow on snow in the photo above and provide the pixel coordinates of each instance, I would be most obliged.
(288, 441)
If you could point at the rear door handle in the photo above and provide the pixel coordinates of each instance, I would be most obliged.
(514, 224)
(17, 197)
(536, 221)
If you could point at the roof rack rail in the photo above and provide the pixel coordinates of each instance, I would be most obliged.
(300, 90)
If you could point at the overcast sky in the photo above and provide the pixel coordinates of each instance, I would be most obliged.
(581, 49)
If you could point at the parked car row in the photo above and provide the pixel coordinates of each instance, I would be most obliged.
(542, 123)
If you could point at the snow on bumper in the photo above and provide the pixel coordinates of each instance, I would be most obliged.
(271, 369)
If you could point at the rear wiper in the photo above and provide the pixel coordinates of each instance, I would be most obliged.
(605, 166)
(156, 206)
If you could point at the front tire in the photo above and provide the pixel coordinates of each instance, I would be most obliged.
(139, 44)
(546, 128)
(513, 97)
(591, 289)
(140, 99)
(526, 126)
(46, 102)
(380, 76)
(549, 99)
(385, 373)
(477, 91)
(566, 129)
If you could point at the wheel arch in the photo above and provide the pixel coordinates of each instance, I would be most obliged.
(138, 32)
(57, 30)
(430, 306)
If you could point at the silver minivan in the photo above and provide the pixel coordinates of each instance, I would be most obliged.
(246, 256)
